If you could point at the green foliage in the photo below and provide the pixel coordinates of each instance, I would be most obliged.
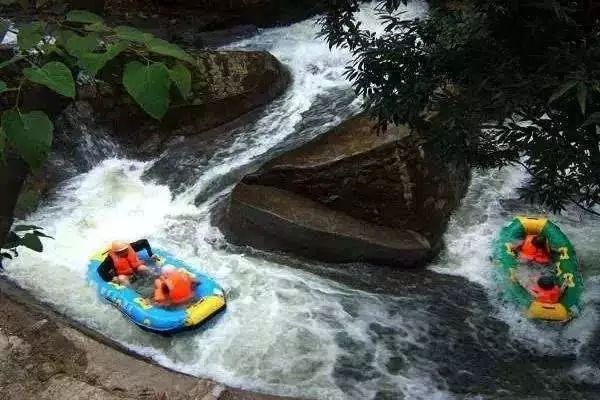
(182, 78)
(165, 48)
(82, 42)
(30, 239)
(492, 82)
(83, 17)
(149, 85)
(30, 35)
(133, 35)
(78, 45)
(30, 134)
(55, 75)
(94, 62)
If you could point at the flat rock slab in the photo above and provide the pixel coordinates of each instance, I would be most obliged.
(280, 220)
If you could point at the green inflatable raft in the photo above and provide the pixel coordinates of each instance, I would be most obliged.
(564, 266)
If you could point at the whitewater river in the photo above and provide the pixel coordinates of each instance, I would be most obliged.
(309, 329)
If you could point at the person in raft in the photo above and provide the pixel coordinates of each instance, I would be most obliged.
(122, 262)
(174, 287)
(534, 249)
(547, 291)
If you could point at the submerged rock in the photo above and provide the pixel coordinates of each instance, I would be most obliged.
(352, 194)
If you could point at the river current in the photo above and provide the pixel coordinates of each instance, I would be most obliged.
(313, 330)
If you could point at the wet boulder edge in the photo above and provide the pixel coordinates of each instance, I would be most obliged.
(350, 195)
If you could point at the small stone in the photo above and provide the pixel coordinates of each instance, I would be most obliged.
(38, 325)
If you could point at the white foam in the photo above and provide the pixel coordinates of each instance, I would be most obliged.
(284, 329)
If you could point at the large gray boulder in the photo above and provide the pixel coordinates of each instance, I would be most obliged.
(352, 194)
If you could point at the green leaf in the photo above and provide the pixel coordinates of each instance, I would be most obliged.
(22, 228)
(149, 86)
(165, 48)
(94, 62)
(582, 96)
(30, 35)
(7, 2)
(42, 234)
(12, 240)
(83, 17)
(62, 37)
(32, 242)
(3, 86)
(54, 75)
(182, 78)
(132, 34)
(78, 45)
(564, 88)
(97, 27)
(30, 134)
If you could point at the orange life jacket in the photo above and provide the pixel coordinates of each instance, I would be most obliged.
(126, 265)
(173, 288)
(550, 296)
(531, 253)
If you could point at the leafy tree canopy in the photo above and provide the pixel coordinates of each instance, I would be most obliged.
(493, 82)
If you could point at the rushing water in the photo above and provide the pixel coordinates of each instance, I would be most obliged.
(372, 333)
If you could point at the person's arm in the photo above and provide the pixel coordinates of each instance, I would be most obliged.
(517, 246)
(142, 244)
(564, 286)
(106, 270)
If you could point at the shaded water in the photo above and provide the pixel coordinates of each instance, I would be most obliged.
(369, 333)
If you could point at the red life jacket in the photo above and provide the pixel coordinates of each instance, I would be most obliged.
(173, 288)
(126, 265)
(531, 253)
(550, 296)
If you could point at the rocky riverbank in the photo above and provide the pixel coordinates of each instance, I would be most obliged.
(44, 357)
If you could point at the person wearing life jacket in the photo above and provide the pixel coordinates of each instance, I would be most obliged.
(174, 287)
(534, 249)
(547, 291)
(122, 261)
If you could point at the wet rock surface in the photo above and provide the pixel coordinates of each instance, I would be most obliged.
(231, 87)
(43, 358)
(352, 194)
(226, 85)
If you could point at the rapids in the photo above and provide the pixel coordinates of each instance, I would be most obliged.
(310, 329)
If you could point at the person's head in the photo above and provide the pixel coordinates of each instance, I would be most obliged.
(546, 282)
(119, 248)
(539, 241)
